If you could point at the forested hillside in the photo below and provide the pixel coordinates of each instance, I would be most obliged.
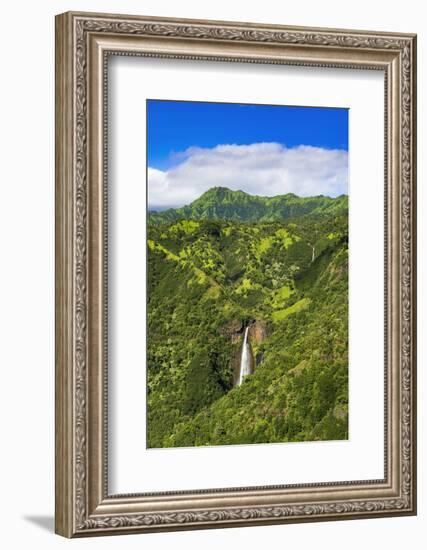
(276, 265)
(220, 203)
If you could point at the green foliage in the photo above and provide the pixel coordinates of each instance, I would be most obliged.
(220, 203)
(207, 279)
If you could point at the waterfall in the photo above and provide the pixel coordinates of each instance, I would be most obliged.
(245, 361)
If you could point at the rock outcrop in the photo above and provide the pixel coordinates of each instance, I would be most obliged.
(258, 332)
(233, 329)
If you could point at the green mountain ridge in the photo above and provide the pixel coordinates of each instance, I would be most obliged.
(223, 203)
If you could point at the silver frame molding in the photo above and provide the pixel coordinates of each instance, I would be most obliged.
(83, 43)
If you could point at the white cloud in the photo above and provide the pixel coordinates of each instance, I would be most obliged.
(266, 169)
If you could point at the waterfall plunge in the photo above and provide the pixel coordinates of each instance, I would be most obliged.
(245, 361)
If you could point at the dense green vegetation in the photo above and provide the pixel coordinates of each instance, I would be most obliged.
(227, 261)
(222, 203)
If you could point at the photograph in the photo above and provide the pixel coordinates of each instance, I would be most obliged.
(247, 273)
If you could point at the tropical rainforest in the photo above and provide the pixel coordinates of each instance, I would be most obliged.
(276, 266)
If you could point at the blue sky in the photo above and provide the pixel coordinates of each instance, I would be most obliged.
(261, 149)
(174, 126)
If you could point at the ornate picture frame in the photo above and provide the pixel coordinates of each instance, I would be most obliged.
(84, 42)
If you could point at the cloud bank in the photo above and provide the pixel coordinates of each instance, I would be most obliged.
(266, 169)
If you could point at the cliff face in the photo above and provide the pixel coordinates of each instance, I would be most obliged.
(258, 332)
(233, 329)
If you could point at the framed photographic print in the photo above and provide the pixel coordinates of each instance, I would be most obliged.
(235, 274)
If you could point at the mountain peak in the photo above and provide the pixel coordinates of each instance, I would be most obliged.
(220, 193)
(216, 190)
(226, 204)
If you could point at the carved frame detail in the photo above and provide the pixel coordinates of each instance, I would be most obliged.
(83, 506)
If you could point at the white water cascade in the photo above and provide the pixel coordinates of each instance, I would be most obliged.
(245, 361)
